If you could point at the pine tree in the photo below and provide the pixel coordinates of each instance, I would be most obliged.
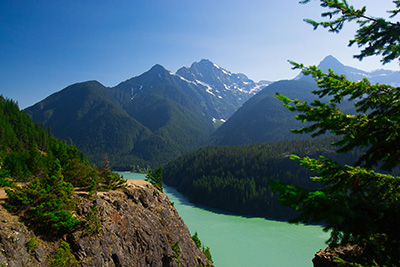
(358, 205)
(155, 178)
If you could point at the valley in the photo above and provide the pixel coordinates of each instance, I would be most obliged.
(164, 119)
(153, 118)
(222, 140)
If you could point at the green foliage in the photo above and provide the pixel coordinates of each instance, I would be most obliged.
(49, 169)
(5, 177)
(377, 117)
(27, 150)
(206, 250)
(107, 179)
(47, 202)
(176, 252)
(64, 257)
(92, 223)
(111, 180)
(155, 178)
(33, 243)
(379, 36)
(196, 240)
(357, 205)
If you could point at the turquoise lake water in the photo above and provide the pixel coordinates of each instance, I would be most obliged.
(240, 241)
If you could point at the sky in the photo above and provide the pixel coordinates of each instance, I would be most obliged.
(47, 45)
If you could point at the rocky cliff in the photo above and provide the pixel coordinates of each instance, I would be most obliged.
(329, 257)
(133, 226)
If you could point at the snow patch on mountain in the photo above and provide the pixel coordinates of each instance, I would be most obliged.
(209, 88)
(135, 91)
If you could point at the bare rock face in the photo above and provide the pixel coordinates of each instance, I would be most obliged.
(14, 239)
(133, 226)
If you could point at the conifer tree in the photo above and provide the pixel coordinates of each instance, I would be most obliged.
(358, 205)
(155, 178)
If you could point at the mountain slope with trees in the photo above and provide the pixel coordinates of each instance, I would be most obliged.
(87, 114)
(155, 117)
(144, 121)
(161, 120)
(262, 118)
(235, 178)
(49, 169)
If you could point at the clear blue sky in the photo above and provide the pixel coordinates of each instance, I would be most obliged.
(48, 45)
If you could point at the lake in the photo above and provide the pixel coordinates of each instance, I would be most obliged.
(235, 240)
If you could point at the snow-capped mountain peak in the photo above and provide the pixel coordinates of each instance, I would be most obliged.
(220, 79)
(381, 76)
(223, 86)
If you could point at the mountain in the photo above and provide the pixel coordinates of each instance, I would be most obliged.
(263, 118)
(146, 120)
(171, 108)
(88, 114)
(227, 91)
(381, 76)
(154, 117)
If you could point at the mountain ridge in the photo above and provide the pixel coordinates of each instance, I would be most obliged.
(146, 120)
(236, 88)
(154, 117)
(381, 76)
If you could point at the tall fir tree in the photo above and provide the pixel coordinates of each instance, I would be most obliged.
(358, 205)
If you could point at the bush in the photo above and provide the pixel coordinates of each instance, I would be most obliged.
(47, 202)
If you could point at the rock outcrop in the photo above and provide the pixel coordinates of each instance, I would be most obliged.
(328, 257)
(133, 226)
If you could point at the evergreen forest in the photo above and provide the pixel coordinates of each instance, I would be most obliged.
(236, 178)
(40, 172)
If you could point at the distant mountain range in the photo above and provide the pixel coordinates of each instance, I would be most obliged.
(154, 117)
(146, 120)
(263, 118)
(381, 76)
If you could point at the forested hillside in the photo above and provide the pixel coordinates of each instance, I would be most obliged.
(235, 178)
(48, 168)
(87, 114)
(144, 121)
(263, 118)
(44, 222)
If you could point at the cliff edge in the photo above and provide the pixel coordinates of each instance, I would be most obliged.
(133, 226)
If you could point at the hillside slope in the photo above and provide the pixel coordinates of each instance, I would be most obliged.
(263, 118)
(149, 119)
(144, 121)
(87, 114)
(45, 222)
(235, 178)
